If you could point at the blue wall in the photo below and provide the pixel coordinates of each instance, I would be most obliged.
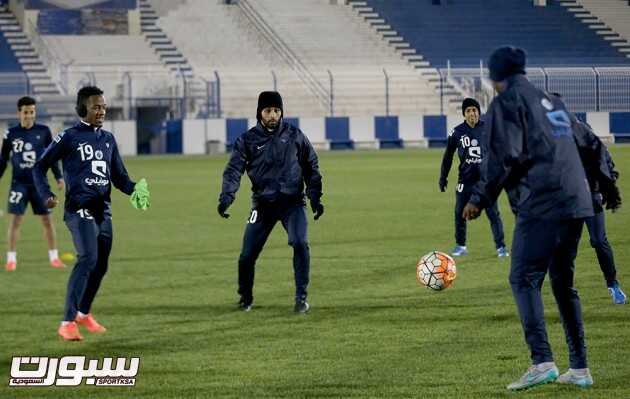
(386, 131)
(338, 132)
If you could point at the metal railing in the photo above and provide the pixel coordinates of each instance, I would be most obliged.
(588, 89)
(583, 90)
(124, 90)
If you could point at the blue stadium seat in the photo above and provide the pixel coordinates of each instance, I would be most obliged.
(8, 62)
(465, 31)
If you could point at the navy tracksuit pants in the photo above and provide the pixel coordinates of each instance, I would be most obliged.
(596, 226)
(92, 239)
(462, 196)
(261, 222)
(540, 246)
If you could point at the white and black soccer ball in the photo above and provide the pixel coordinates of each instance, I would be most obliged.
(436, 270)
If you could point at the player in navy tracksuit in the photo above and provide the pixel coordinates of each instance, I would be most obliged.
(280, 161)
(22, 145)
(531, 152)
(596, 224)
(466, 140)
(91, 164)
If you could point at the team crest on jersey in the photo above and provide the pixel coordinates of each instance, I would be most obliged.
(29, 158)
(28, 146)
(98, 154)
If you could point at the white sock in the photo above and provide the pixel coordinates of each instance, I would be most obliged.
(11, 256)
(81, 315)
(53, 254)
(65, 323)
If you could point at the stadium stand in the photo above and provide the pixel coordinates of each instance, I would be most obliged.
(463, 32)
(161, 7)
(159, 41)
(106, 60)
(8, 61)
(159, 76)
(605, 17)
(18, 55)
(217, 37)
(289, 43)
(355, 54)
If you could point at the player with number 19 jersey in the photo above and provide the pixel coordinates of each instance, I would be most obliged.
(91, 164)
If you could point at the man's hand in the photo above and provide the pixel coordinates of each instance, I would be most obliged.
(612, 198)
(51, 202)
(443, 183)
(61, 185)
(318, 209)
(223, 206)
(471, 211)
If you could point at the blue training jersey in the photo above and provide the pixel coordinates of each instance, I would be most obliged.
(22, 147)
(466, 141)
(91, 164)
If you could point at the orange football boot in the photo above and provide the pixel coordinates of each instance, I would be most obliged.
(57, 263)
(91, 324)
(70, 332)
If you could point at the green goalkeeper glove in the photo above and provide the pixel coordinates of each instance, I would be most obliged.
(140, 195)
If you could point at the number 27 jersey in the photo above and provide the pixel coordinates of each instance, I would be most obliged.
(22, 147)
(91, 164)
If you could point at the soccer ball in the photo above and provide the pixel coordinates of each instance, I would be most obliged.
(436, 270)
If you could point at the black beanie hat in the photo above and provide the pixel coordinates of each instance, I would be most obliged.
(268, 99)
(506, 61)
(470, 102)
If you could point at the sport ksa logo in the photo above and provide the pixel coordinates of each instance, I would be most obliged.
(70, 371)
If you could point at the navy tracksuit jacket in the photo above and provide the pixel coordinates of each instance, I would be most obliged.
(281, 165)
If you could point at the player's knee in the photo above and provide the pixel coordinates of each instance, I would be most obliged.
(101, 268)
(16, 221)
(521, 280)
(46, 221)
(88, 260)
(515, 279)
(563, 289)
(599, 242)
(299, 244)
(246, 258)
(533, 323)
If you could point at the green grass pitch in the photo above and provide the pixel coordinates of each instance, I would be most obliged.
(372, 332)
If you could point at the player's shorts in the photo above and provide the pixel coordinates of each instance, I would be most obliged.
(20, 195)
